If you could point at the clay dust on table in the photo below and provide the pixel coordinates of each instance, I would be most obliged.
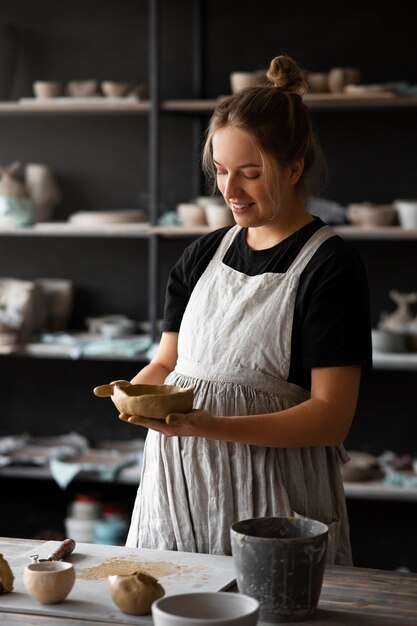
(116, 566)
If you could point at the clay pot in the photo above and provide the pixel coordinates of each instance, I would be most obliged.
(318, 82)
(49, 582)
(83, 88)
(218, 215)
(153, 401)
(113, 89)
(368, 214)
(47, 88)
(341, 76)
(43, 190)
(407, 212)
(242, 80)
(191, 214)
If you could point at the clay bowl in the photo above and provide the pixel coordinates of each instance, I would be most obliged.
(49, 582)
(367, 214)
(47, 88)
(113, 89)
(153, 401)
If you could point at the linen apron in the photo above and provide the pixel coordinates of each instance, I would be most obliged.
(234, 349)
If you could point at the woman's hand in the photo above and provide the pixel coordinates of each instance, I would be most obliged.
(196, 423)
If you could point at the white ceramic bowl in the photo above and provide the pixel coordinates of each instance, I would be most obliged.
(114, 89)
(387, 341)
(206, 609)
(48, 88)
(407, 212)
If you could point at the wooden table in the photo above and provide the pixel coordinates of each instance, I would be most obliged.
(351, 596)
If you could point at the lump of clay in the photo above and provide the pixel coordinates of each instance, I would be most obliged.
(6, 576)
(135, 593)
(154, 401)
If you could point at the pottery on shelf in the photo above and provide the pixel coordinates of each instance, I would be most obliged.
(191, 214)
(115, 89)
(242, 80)
(83, 88)
(58, 294)
(407, 213)
(15, 203)
(44, 190)
(48, 88)
(341, 76)
(117, 216)
(153, 401)
(318, 82)
(218, 215)
(400, 319)
(369, 214)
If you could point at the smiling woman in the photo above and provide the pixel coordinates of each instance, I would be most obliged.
(268, 322)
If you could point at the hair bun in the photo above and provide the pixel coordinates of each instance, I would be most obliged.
(285, 74)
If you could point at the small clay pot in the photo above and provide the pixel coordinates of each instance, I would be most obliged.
(242, 80)
(318, 82)
(218, 215)
(83, 88)
(191, 214)
(113, 89)
(368, 214)
(341, 76)
(49, 582)
(47, 88)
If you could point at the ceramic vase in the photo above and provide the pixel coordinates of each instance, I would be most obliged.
(43, 189)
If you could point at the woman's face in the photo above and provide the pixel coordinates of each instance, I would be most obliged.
(241, 179)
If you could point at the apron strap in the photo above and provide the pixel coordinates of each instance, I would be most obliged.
(226, 242)
(310, 248)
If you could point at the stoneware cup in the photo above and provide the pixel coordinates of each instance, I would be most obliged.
(191, 214)
(205, 609)
(407, 213)
(280, 562)
(48, 88)
(49, 582)
(218, 215)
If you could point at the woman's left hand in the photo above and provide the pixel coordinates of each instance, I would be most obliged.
(196, 423)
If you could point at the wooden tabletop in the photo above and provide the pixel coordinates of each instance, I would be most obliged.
(351, 596)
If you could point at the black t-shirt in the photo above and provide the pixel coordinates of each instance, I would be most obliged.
(331, 325)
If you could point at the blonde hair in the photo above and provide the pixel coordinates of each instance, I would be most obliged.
(278, 121)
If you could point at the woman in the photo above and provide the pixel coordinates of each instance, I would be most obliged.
(268, 321)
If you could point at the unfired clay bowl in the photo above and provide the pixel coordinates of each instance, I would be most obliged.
(49, 582)
(368, 214)
(154, 401)
(47, 88)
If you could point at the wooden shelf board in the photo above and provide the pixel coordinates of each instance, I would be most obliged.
(73, 106)
(378, 490)
(392, 361)
(144, 229)
(118, 105)
(128, 475)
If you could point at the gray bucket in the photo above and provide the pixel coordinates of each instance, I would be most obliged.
(280, 562)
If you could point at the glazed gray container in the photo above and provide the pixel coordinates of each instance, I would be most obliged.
(280, 562)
